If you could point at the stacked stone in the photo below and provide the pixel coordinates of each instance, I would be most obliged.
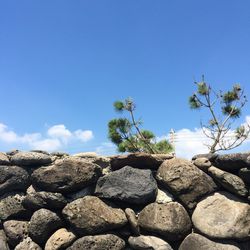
(136, 201)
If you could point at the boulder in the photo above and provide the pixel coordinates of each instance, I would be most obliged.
(89, 190)
(90, 215)
(37, 200)
(42, 224)
(15, 231)
(99, 242)
(230, 182)
(61, 239)
(211, 157)
(13, 178)
(185, 180)
(163, 196)
(4, 160)
(202, 163)
(27, 244)
(244, 174)
(132, 220)
(66, 175)
(139, 160)
(30, 159)
(11, 207)
(102, 161)
(131, 185)
(148, 242)
(222, 216)
(3, 241)
(198, 242)
(170, 220)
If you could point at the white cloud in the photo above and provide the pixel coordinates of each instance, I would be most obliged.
(47, 144)
(60, 131)
(106, 148)
(83, 135)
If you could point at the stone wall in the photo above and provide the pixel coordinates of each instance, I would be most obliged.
(135, 201)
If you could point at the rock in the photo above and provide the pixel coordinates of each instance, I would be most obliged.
(148, 242)
(169, 220)
(198, 242)
(229, 181)
(4, 160)
(59, 154)
(139, 160)
(66, 175)
(103, 162)
(11, 207)
(211, 157)
(244, 174)
(90, 190)
(90, 215)
(61, 239)
(42, 224)
(232, 162)
(185, 180)
(131, 185)
(31, 190)
(202, 163)
(39, 151)
(99, 242)
(15, 231)
(30, 159)
(226, 217)
(132, 220)
(27, 244)
(12, 152)
(13, 178)
(3, 241)
(37, 200)
(163, 197)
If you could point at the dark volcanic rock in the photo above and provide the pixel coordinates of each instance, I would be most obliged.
(4, 160)
(66, 175)
(128, 184)
(244, 174)
(13, 178)
(99, 242)
(42, 224)
(170, 220)
(30, 159)
(185, 180)
(90, 215)
(3, 241)
(139, 160)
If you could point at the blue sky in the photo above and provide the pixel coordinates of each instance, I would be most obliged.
(63, 64)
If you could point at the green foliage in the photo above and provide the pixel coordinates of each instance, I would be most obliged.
(128, 136)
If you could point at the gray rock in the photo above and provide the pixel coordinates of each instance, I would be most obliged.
(42, 224)
(202, 163)
(3, 241)
(148, 242)
(169, 220)
(128, 184)
(4, 160)
(37, 200)
(30, 159)
(27, 244)
(103, 162)
(99, 242)
(15, 231)
(90, 215)
(229, 181)
(139, 160)
(185, 180)
(66, 175)
(132, 220)
(222, 216)
(90, 190)
(211, 157)
(13, 178)
(163, 196)
(198, 242)
(244, 174)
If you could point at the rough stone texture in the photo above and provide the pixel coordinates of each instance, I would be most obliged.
(148, 242)
(90, 215)
(229, 181)
(89, 190)
(30, 159)
(42, 224)
(128, 184)
(27, 244)
(209, 156)
(11, 207)
(60, 239)
(139, 160)
(15, 231)
(37, 200)
(163, 197)
(4, 160)
(223, 216)
(202, 163)
(3, 241)
(198, 242)
(169, 220)
(232, 162)
(66, 175)
(99, 242)
(244, 174)
(13, 178)
(132, 220)
(185, 180)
